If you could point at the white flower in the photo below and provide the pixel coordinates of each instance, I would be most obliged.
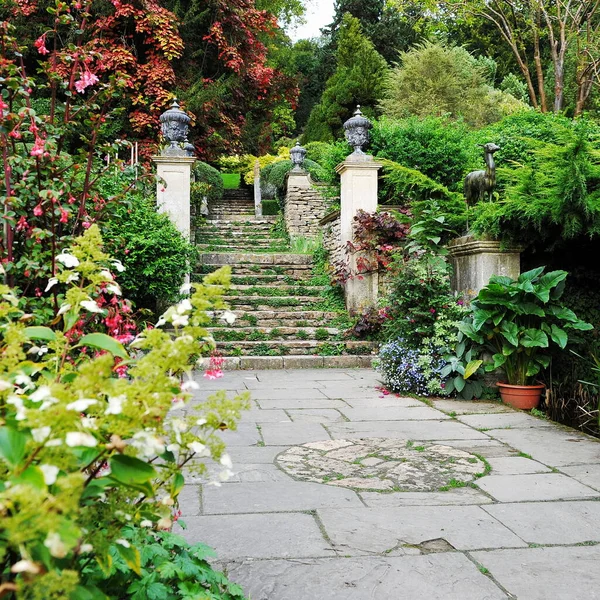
(78, 438)
(40, 394)
(180, 320)
(226, 474)
(86, 548)
(160, 322)
(148, 444)
(113, 288)
(57, 547)
(173, 447)
(25, 566)
(188, 385)
(54, 442)
(40, 434)
(228, 317)
(197, 447)
(63, 309)
(123, 542)
(50, 473)
(81, 405)
(91, 306)
(179, 425)
(164, 524)
(89, 423)
(226, 461)
(51, 283)
(23, 380)
(185, 288)
(37, 350)
(47, 403)
(118, 265)
(5, 385)
(73, 277)
(201, 422)
(167, 501)
(145, 523)
(17, 402)
(106, 275)
(115, 405)
(184, 306)
(68, 260)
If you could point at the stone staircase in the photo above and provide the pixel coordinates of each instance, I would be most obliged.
(286, 316)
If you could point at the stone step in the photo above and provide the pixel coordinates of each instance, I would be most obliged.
(348, 361)
(254, 222)
(232, 334)
(233, 247)
(298, 347)
(272, 280)
(282, 290)
(280, 259)
(228, 228)
(298, 272)
(203, 238)
(282, 318)
(269, 302)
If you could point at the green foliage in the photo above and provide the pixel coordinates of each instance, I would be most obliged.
(91, 445)
(438, 80)
(517, 321)
(170, 568)
(207, 182)
(270, 207)
(274, 176)
(358, 79)
(556, 197)
(155, 254)
(437, 147)
(231, 181)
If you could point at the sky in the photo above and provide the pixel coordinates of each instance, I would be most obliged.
(318, 14)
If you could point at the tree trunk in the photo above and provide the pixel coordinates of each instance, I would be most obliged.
(539, 69)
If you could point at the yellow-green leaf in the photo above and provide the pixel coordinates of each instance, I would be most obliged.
(104, 342)
(472, 368)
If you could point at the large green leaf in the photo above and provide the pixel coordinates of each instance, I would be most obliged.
(565, 314)
(40, 333)
(547, 282)
(534, 338)
(472, 367)
(12, 445)
(459, 383)
(130, 470)
(559, 336)
(530, 275)
(510, 331)
(131, 556)
(581, 326)
(480, 316)
(104, 342)
(529, 308)
(499, 360)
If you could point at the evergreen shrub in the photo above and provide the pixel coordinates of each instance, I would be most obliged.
(211, 180)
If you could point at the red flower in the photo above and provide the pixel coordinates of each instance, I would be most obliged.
(40, 44)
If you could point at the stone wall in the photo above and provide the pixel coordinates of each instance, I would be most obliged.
(332, 240)
(304, 206)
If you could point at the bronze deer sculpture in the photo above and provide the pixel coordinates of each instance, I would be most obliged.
(479, 185)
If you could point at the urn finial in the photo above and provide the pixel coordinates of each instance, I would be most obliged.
(357, 131)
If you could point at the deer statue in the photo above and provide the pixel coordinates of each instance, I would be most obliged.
(480, 185)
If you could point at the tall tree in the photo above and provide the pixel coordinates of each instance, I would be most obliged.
(534, 23)
(358, 79)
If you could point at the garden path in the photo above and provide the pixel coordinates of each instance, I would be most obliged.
(527, 528)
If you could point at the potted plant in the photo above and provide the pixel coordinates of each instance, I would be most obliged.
(517, 322)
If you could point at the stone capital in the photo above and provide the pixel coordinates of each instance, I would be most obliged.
(173, 160)
(366, 163)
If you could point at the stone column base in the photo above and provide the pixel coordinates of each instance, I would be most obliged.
(475, 261)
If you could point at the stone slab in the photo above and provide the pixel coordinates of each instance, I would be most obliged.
(258, 536)
(553, 446)
(587, 474)
(281, 434)
(383, 402)
(311, 374)
(394, 413)
(433, 577)
(264, 416)
(189, 500)
(302, 362)
(516, 465)
(409, 430)
(261, 362)
(529, 488)
(487, 448)
(351, 392)
(471, 407)
(296, 393)
(453, 497)
(556, 523)
(316, 415)
(286, 403)
(367, 530)
(246, 434)
(275, 497)
(243, 473)
(255, 454)
(513, 420)
(546, 573)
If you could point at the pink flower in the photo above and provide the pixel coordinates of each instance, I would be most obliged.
(38, 211)
(15, 134)
(64, 215)
(86, 224)
(87, 79)
(38, 147)
(213, 374)
(432, 311)
(40, 44)
(22, 224)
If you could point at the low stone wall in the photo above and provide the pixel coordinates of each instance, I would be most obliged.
(304, 207)
(332, 240)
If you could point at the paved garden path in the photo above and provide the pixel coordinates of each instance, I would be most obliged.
(329, 501)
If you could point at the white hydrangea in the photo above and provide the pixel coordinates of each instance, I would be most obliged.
(81, 405)
(68, 260)
(79, 438)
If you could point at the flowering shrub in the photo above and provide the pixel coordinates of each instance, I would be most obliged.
(93, 440)
(408, 370)
(369, 324)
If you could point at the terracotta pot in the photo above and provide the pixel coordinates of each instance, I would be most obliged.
(524, 397)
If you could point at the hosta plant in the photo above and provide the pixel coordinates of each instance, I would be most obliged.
(93, 438)
(517, 322)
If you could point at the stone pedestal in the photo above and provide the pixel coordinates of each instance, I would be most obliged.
(358, 175)
(173, 189)
(475, 261)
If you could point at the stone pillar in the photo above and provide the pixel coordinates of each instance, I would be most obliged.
(173, 194)
(475, 261)
(358, 175)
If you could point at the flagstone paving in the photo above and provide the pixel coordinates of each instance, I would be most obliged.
(341, 492)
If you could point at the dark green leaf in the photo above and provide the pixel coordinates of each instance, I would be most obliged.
(40, 333)
(559, 336)
(499, 360)
(459, 383)
(530, 275)
(510, 331)
(130, 470)
(12, 445)
(534, 338)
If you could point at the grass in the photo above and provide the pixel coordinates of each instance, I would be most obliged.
(231, 181)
